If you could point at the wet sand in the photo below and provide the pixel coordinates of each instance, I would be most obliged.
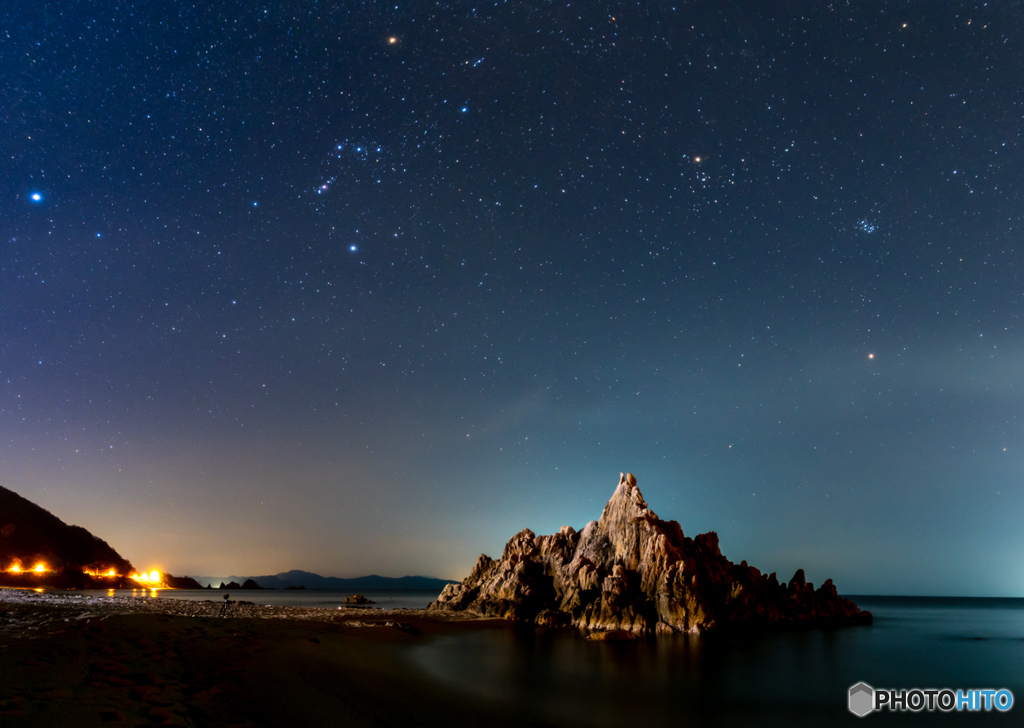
(73, 660)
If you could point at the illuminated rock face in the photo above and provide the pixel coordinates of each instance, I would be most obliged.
(632, 571)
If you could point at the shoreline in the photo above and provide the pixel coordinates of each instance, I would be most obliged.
(88, 661)
(72, 605)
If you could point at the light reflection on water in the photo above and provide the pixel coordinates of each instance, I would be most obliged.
(791, 679)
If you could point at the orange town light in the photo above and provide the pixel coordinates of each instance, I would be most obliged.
(109, 572)
(154, 577)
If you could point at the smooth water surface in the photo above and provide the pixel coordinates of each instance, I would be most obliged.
(784, 679)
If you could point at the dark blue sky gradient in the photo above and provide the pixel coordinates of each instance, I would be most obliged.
(368, 287)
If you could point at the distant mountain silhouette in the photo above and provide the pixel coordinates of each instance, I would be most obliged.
(309, 580)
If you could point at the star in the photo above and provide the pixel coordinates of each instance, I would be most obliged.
(36, 197)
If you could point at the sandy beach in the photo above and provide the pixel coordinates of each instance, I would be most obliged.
(71, 659)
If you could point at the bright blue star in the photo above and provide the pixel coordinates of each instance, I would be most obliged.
(465, 109)
(36, 197)
(352, 248)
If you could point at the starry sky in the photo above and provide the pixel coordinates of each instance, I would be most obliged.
(366, 287)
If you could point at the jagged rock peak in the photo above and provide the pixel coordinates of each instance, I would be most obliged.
(627, 502)
(630, 570)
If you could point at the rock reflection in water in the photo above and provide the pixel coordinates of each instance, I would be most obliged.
(779, 679)
(560, 676)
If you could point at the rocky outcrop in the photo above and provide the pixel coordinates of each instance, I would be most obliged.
(632, 571)
(357, 599)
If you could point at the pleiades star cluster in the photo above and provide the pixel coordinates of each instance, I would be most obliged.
(368, 287)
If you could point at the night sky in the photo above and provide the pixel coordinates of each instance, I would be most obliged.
(366, 287)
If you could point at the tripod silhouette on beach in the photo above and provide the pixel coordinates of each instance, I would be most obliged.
(224, 606)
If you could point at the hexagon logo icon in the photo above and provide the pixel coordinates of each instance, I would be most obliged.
(862, 699)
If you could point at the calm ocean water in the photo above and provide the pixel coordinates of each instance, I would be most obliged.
(790, 679)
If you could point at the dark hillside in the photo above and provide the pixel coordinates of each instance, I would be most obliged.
(30, 535)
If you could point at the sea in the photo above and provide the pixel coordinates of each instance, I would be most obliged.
(799, 678)
(782, 679)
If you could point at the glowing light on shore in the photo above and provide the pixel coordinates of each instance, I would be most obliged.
(152, 580)
(108, 573)
(40, 568)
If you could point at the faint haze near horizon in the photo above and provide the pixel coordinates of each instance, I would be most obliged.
(281, 293)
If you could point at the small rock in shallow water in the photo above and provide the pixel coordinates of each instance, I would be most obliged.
(404, 627)
(357, 599)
